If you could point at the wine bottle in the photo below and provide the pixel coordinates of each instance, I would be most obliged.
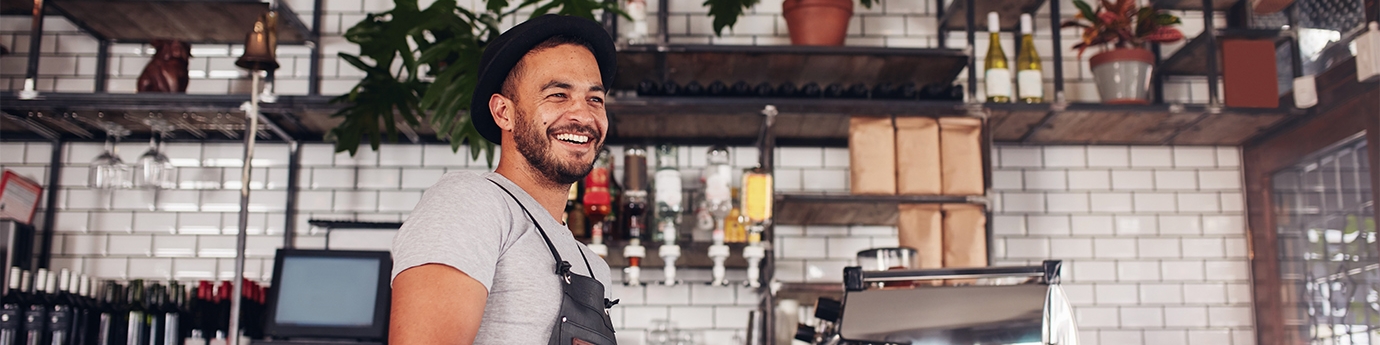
(668, 195)
(998, 75)
(717, 88)
(907, 90)
(884, 90)
(36, 317)
(834, 90)
(223, 295)
(786, 89)
(764, 89)
(811, 90)
(1029, 79)
(693, 89)
(648, 87)
(740, 89)
(12, 308)
(670, 88)
(597, 199)
(575, 213)
(857, 90)
(60, 313)
(136, 323)
(153, 316)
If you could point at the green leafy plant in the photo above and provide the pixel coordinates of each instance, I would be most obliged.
(1123, 25)
(727, 12)
(421, 67)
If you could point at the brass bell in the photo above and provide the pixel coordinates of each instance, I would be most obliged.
(260, 46)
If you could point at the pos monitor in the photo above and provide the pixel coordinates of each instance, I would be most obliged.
(329, 294)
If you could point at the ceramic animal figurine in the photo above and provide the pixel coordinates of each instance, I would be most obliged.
(167, 71)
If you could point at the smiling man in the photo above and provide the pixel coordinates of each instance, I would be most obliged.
(483, 259)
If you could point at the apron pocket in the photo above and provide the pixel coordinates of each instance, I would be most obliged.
(576, 334)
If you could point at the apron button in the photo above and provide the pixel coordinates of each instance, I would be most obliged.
(562, 319)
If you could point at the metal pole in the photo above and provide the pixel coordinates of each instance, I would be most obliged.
(1210, 30)
(1157, 80)
(45, 251)
(972, 51)
(35, 44)
(1057, 39)
(663, 17)
(314, 73)
(102, 65)
(250, 132)
(943, 34)
(294, 172)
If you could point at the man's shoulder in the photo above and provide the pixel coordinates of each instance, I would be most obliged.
(465, 182)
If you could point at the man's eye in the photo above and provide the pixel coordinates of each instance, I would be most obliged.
(558, 95)
(596, 99)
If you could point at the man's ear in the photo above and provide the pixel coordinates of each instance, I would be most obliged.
(502, 110)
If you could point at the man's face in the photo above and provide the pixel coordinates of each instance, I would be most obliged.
(560, 119)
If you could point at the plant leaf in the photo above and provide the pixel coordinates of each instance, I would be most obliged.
(1085, 10)
(726, 12)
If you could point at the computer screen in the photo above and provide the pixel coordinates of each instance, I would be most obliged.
(329, 294)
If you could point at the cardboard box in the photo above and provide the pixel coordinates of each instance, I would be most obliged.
(917, 156)
(965, 238)
(960, 143)
(872, 155)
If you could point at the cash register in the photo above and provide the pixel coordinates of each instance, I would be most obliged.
(328, 297)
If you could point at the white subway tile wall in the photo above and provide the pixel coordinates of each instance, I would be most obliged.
(69, 56)
(1150, 258)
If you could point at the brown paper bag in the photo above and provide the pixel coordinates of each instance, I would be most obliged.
(921, 227)
(872, 155)
(965, 238)
(960, 140)
(917, 156)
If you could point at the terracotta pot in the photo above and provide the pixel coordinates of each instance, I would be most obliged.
(1123, 75)
(817, 22)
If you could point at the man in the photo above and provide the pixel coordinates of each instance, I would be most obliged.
(479, 259)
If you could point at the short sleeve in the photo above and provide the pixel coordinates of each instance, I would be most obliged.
(458, 223)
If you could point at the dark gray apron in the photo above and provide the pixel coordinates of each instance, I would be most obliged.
(583, 318)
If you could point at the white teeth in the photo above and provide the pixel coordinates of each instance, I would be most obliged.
(574, 138)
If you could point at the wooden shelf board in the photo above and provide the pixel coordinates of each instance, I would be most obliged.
(1193, 5)
(191, 21)
(1129, 124)
(795, 64)
(847, 209)
(956, 15)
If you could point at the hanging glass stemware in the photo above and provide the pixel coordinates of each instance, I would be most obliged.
(107, 170)
(154, 170)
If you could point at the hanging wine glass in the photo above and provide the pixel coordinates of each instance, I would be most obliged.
(107, 171)
(154, 170)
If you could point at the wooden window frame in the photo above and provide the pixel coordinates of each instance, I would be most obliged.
(1345, 109)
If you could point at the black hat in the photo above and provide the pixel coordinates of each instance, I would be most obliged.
(503, 54)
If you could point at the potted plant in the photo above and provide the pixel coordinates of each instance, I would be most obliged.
(810, 22)
(1122, 73)
(421, 66)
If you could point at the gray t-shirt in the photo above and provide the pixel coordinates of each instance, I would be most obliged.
(467, 222)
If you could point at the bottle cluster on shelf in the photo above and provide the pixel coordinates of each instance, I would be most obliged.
(600, 209)
(47, 308)
(901, 91)
(1029, 86)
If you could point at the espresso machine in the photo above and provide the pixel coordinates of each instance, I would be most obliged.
(949, 306)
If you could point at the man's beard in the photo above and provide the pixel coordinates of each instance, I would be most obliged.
(536, 148)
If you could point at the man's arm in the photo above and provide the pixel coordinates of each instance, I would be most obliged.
(435, 304)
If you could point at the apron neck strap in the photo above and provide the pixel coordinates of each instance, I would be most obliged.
(562, 266)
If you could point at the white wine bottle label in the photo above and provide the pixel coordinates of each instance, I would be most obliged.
(998, 82)
(1031, 83)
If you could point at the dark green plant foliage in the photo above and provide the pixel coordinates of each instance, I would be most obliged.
(421, 67)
